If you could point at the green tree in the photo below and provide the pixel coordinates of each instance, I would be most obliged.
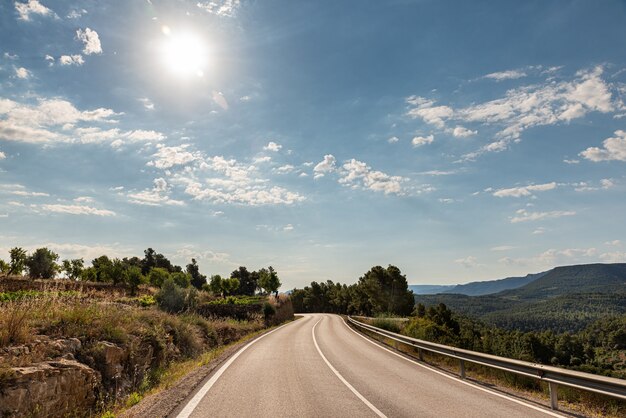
(135, 278)
(181, 279)
(230, 286)
(247, 281)
(158, 276)
(197, 279)
(103, 269)
(42, 264)
(215, 284)
(73, 268)
(268, 280)
(4, 267)
(18, 261)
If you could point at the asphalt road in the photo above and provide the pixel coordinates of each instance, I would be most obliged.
(318, 367)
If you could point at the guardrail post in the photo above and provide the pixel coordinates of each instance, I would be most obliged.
(554, 396)
(462, 367)
(420, 354)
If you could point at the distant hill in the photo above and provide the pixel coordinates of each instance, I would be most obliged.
(564, 298)
(430, 289)
(493, 286)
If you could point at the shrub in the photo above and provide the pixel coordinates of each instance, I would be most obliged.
(146, 300)
(175, 299)
(133, 399)
(268, 311)
(387, 324)
(181, 279)
(158, 276)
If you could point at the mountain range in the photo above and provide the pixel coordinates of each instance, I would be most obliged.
(564, 298)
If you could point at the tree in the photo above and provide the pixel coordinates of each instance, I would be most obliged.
(73, 268)
(103, 269)
(197, 279)
(135, 278)
(268, 280)
(230, 286)
(18, 261)
(387, 290)
(4, 267)
(42, 264)
(181, 279)
(247, 281)
(215, 284)
(148, 261)
(158, 276)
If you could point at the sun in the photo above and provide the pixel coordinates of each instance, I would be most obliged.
(184, 54)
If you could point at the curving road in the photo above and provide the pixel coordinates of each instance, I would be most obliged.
(318, 367)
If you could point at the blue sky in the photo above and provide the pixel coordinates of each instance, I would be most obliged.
(457, 140)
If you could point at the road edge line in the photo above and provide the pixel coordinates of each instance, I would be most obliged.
(344, 381)
(501, 395)
(201, 393)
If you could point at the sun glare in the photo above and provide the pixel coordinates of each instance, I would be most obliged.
(184, 54)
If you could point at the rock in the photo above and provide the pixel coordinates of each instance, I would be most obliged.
(52, 389)
(110, 360)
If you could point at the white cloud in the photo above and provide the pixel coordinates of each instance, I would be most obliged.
(84, 199)
(71, 60)
(525, 190)
(167, 157)
(2, 155)
(288, 228)
(614, 243)
(157, 196)
(522, 215)
(272, 146)
(23, 73)
(502, 248)
(467, 262)
(566, 161)
(327, 165)
(287, 168)
(76, 13)
(393, 139)
(438, 172)
(418, 141)
(91, 40)
(116, 137)
(433, 115)
(225, 8)
(613, 149)
(506, 75)
(227, 181)
(357, 174)
(147, 103)
(32, 7)
(553, 257)
(604, 184)
(50, 60)
(548, 103)
(75, 210)
(539, 231)
(462, 132)
(39, 123)
(220, 99)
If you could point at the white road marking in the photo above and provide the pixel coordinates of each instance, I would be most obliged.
(193, 403)
(545, 411)
(344, 381)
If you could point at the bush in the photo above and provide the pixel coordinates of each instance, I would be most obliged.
(158, 276)
(146, 300)
(181, 279)
(387, 324)
(268, 311)
(175, 299)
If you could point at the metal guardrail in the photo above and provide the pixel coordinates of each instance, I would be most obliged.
(554, 376)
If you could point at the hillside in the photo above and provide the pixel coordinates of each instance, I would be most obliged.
(565, 298)
(493, 286)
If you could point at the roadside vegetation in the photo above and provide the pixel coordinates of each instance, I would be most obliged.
(140, 323)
